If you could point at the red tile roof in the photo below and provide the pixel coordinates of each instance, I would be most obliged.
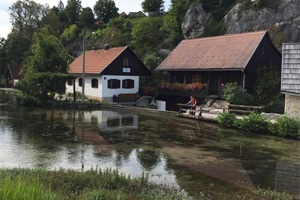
(211, 53)
(96, 60)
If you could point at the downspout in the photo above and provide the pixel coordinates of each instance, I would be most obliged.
(244, 83)
(208, 75)
(74, 90)
(219, 83)
(244, 79)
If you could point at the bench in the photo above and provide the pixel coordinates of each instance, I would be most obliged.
(189, 111)
(243, 109)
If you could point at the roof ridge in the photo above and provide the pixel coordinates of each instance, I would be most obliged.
(124, 47)
(226, 36)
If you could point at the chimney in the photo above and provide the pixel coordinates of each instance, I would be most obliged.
(106, 47)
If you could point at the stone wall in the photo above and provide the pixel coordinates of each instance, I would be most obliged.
(292, 105)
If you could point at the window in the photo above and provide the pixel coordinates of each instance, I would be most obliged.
(126, 69)
(80, 82)
(70, 82)
(114, 83)
(128, 83)
(196, 78)
(94, 83)
(125, 62)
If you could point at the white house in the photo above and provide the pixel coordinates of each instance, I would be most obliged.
(290, 78)
(108, 72)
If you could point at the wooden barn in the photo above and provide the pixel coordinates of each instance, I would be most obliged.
(215, 61)
(13, 74)
(290, 78)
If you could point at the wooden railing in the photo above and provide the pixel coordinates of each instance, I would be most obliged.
(189, 110)
(243, 109)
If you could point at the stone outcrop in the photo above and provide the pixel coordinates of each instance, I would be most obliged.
(286, 18)
(195, 21)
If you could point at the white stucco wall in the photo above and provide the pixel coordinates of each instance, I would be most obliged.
(102, 118)
(15, 81)
(103, 93)
(108, 92)
(292, 105)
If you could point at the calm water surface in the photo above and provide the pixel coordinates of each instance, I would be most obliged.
(202, 159)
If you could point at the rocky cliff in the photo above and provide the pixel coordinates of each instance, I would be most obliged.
(286, 18)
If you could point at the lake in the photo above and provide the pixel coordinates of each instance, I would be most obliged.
(202, 159)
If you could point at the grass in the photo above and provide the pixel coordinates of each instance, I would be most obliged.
(37, 184)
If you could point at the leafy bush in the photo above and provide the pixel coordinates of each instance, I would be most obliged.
(253, 123)
(235, 94)
(227, 119)
(286, 127)
(259, 194)
(24, 99)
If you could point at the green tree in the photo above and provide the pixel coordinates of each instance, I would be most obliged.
(69, 38)
(72, 11)
(62, 13)
(105, 10)
(118, 32)
(2, 59)
(46, 66)
(172, 31)
(179, 8)
(235, 94)
(52, 19)
(16, 48)
(26, 16)
(147, 35)
(267, 88)
(153, 7)
(152, 60)
(86, 18)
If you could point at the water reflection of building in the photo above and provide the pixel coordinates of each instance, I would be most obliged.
(111, 121)
(288, 177)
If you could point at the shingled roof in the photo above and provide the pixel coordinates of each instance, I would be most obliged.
(95, 60)
(228, 52)
(290, 73)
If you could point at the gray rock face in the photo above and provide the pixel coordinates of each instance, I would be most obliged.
(286, 18)
(195, 21)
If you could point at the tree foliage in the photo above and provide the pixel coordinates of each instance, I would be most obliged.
(53, 19)
(72, 11)
(16, 48)
(147, 35)
(26, 16)
(153, 7)
(118, 32)
(105, 10)
(86, 18)
(46, 65)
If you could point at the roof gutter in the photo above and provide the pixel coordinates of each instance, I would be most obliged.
(197, 70)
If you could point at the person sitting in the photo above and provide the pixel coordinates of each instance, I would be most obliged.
(192, 103)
